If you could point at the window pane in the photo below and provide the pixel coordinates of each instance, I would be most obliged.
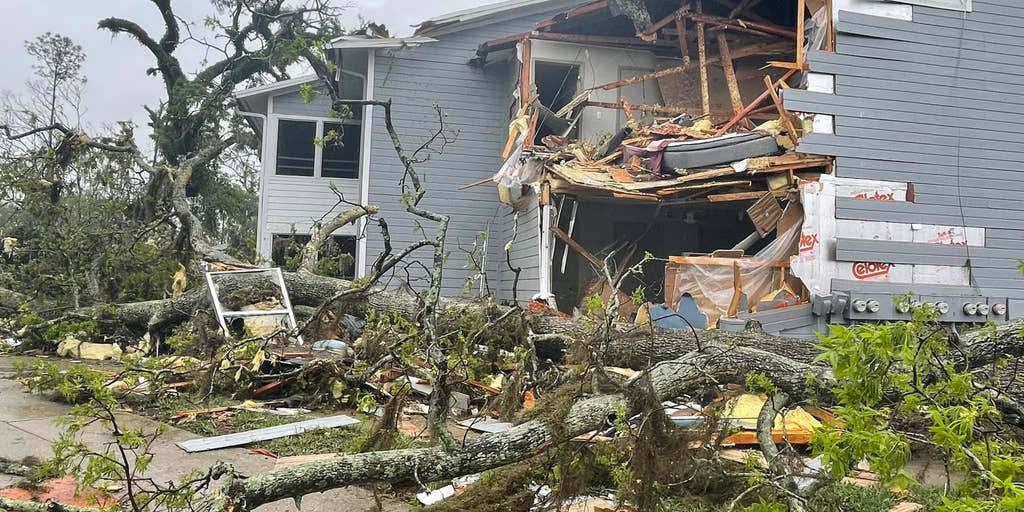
(295, 147)
(341, 154)
(286, 248)
(337, 254)
(352, 89)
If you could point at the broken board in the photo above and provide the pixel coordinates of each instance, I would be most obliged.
(485, 425)
(265, 434)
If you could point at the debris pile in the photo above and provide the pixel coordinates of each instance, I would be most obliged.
(706, 134)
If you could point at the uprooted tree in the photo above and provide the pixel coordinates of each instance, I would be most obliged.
(894, 386)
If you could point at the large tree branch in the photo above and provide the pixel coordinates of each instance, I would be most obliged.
(311, 252)
(668, 380)
(68, 132)
(172, 35)
(168, 65)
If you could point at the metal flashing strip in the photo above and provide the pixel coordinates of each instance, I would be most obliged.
(264, 434)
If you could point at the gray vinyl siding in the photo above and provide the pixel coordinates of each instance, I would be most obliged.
(476, 105)
(295, 203)
(524, 235)
(292, 103)
(937, 102)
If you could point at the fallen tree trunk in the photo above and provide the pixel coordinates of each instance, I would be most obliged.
(666, 380)
(636, 347)
(679, 362)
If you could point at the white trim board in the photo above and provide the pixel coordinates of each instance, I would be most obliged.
(364, 164)
(952, 5)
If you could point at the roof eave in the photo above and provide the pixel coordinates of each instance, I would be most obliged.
(396, 42)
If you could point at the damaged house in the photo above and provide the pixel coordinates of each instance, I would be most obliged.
(789, 162)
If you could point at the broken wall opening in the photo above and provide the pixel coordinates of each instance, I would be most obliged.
(631, 229)
(557, 83)
(672, 153)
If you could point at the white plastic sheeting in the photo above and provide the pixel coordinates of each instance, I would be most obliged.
(711, 285)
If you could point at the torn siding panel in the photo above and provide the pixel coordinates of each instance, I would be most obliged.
(938, 102)
(905, 71)
(954, 5)
(903, 12)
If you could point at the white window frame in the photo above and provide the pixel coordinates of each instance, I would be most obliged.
(269, 164)
(362, 123)
(318, 150)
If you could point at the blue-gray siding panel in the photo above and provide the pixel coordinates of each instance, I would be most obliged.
(937, 102)
(475, 103)
(523, 253)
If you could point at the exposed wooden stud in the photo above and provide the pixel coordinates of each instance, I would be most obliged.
(730, 74)
(737, 290)
(545, 193)
(830, 38)
(746, 51)
(735, 9)
(525, 73)
(753, 105)
(563, 236)
(530, 133)
(744, 30)
(667, 111)
(800, 14)
(770, 28)
(787, 65)
(782, 110)
(477, 183)
(702, 56)
(684, 45)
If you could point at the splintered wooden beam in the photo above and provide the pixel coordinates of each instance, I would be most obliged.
(746, 51)
(572, 13)
(652, 32)
(753, 105)
(782, 110)
(702, 57)
(770, 28)
(730, 74)
(743, 196)
(524, 74)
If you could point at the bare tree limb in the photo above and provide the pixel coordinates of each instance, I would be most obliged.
(311, 252)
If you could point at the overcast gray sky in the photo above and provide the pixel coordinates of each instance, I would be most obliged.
(118, 85)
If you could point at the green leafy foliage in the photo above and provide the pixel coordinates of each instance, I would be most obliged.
(900, 374)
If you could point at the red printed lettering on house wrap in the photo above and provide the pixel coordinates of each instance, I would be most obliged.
(877, 195)
(867, 270)
(807, 242)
